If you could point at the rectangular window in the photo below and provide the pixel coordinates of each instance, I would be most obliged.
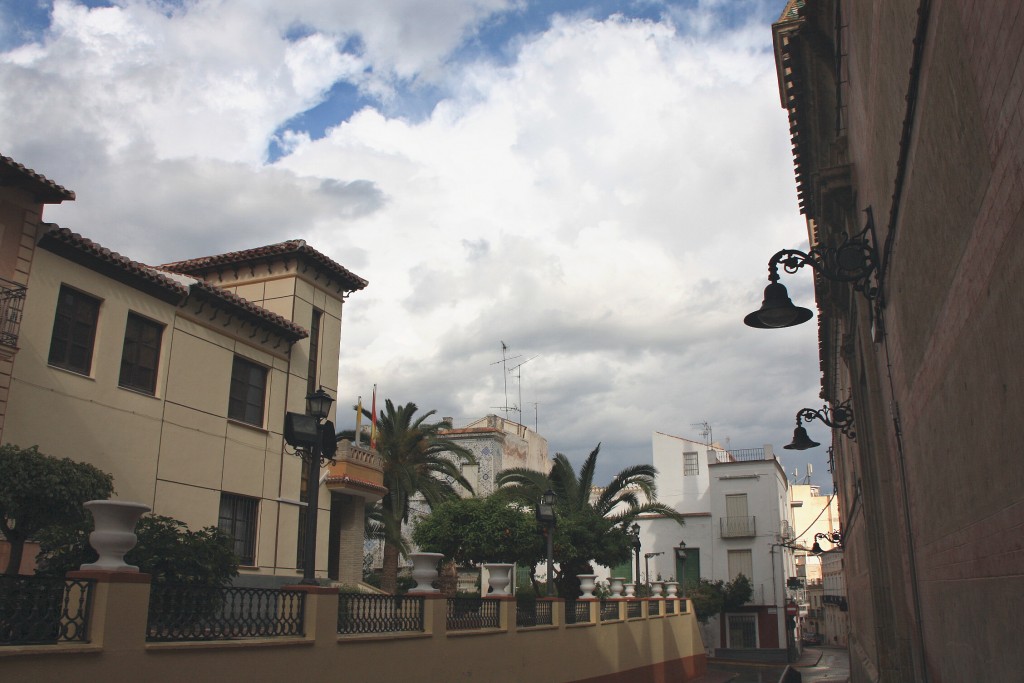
(742, 630)
(238, 517)
(141, 354)
(690, 466)
(741, 562)
(248, 392)
(314, 351)
(74, 331)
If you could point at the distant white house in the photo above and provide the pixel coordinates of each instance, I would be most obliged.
(737, 510)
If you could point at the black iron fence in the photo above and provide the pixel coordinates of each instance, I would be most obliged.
(533, 614)
(670, 607)
(473, 613)
(609, 610)
(369, 613)
(36, 610)
(182, 612)
(633, 609)
(577, 612)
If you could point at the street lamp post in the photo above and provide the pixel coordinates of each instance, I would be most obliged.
(681, 556)
(307, 433)
(634, 531)
(647, 564)
(546, 516)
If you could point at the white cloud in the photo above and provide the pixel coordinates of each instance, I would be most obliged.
(607, 201)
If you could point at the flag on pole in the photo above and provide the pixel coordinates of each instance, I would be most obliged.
(359, 421)
(373, 420)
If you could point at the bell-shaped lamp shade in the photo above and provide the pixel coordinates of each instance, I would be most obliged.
(816, 549)
(801, 442)
(777, 310)
(318, 404)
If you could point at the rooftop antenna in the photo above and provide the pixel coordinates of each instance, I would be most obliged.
(536, 418)
(504, 372)
(705, 432)
(519, 378)
(810, 471)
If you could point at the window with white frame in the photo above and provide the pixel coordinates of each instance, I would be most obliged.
(691, 466)
(741, 562)
(742, 630)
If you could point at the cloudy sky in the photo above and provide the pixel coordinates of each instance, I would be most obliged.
(597, 184)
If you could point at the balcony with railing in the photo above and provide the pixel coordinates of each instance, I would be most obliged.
(12, 302)
(738, 527)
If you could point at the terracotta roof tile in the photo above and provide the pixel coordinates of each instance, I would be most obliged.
(45, 190)
(291, 248)
(168, 287)
(74, 247)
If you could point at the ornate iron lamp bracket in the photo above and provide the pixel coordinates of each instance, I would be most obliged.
(839, 417)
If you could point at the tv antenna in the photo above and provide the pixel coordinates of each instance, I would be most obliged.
(519, 380)
(504, 373)
(705, 432)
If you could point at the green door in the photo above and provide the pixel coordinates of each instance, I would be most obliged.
(688, 573)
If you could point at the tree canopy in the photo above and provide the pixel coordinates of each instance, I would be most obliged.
(714, 597)
(477, 530)
(591, 528)
(418, 460)
(39, 492)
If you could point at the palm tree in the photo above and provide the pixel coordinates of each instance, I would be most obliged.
(418, 460)
(589, 529)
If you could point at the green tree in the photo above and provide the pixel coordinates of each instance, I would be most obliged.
(166, 548)
(476, 530)
(588, 530)
(39, 492)
(418, 460)
(714, 597)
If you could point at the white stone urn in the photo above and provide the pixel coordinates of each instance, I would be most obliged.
(499, 576)
(671, 589)
(630, 590)
(114, 533)
(587, 584)
(424, 571)
(656, 587)
(616, 586)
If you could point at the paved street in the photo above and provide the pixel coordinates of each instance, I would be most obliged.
(817, 664)
(833, 665)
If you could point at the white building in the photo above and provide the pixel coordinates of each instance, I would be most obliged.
(737, 509)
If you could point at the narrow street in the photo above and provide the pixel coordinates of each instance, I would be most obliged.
(816, 664)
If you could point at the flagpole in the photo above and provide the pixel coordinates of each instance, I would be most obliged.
(359, 421)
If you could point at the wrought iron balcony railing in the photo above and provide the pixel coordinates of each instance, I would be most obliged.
(738, 527)
(12, 302)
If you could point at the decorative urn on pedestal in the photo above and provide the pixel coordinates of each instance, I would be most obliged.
(499, 576)
(587, 584)
(424, 571)
(114, 533)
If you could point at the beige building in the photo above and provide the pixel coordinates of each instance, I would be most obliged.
(907, 149)
(176, 380)
(812, 514)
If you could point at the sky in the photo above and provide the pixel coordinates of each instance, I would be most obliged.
(596, 185)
